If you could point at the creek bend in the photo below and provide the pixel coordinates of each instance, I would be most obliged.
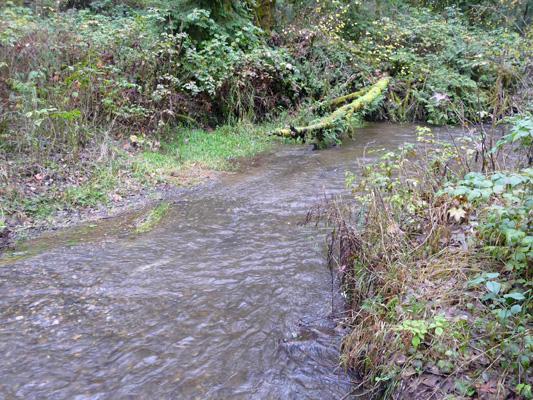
(206, 306)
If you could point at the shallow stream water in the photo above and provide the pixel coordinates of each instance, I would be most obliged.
(227, 299)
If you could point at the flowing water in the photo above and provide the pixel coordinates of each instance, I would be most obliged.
(227, 299)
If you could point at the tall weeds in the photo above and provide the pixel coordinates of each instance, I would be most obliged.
(407, 258)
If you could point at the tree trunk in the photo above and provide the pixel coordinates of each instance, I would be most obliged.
(265, 14)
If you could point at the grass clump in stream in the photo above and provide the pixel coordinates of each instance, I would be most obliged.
(153, 218)
(436, 267)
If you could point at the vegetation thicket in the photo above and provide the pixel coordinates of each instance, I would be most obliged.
(102, 98)
(435, 263)
(84, 83)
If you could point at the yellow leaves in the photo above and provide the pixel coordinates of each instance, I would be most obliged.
(457, 213)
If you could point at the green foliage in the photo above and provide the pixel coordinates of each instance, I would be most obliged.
(507, 199)
(522, 132)
(419, 328)
(445, 69)
(126, 72)
(524, 390)
(428, 235)
(503, 306)
(202, 19)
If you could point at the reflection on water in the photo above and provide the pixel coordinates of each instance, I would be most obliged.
(227, 299)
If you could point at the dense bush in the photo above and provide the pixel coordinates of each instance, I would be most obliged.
(143, 66)
(446, 69)
(66, 76)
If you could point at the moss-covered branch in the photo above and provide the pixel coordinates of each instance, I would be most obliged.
(348, 98)
(360, 100)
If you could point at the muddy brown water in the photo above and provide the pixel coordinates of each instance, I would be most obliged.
(227, 299)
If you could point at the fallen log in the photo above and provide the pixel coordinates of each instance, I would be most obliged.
(358, 101)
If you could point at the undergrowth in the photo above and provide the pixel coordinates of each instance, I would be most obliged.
(436, 264)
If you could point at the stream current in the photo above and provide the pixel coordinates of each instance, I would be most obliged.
(228, 298)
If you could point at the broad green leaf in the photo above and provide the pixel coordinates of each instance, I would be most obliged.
(493, 275)
(489, 296)
(493, 287)
(515, 296)
(527, 240)
(415, 341)
(514, 180)
(460, 191)
(474, 194)
(504, 314)
(476, 281)
(438, 331)
(516, 309)
(482, 184)
(474, 175)
(486, 193)
(513, 236)
(498, 189)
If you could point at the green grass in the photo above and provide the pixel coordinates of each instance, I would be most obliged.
(183, 158)
(218, 149)
(215, 150)
(153, 218)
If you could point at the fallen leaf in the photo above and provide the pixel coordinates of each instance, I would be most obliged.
(457, 213)
(430, 382)
(407, 372)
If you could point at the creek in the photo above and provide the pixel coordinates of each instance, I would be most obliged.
(228, 298)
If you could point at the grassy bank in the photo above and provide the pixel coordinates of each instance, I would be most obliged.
(119, 173)
(436, 264)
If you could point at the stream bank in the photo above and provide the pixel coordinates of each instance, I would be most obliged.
(118, 177)
(434, 259)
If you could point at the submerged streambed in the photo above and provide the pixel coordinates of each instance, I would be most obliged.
(227, 299)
